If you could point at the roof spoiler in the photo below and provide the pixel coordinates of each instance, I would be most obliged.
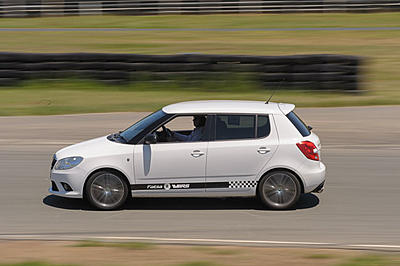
(286, 107)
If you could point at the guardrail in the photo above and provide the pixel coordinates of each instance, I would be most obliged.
(315, 72)
(18, 8)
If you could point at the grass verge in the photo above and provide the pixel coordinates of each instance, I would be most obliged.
(319, 256)
(372, 260)
(125, 245)
(56, 253)
(49, 97)
(210, 21)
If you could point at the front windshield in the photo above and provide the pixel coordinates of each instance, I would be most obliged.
(131, 132)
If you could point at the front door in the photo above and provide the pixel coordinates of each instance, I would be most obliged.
(172, 165)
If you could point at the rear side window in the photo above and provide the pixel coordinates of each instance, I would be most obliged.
(299, 124)
(235, 127)
(263, 127)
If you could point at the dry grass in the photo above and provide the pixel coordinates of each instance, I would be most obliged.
(57, 252)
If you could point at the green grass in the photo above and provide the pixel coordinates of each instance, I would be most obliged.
(210, 21)
(125, 245)
(319, 256)
(43, 97)
(380, 72)
(372, 260)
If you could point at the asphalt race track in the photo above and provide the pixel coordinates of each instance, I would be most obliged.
(360, 207)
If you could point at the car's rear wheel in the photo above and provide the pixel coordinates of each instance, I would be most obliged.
(106, 190)
(279, 190)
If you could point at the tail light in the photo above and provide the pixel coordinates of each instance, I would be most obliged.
(309, 150)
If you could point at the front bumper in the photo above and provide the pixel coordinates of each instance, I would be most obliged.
(73, 177)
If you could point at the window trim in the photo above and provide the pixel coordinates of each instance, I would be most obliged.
(140, 137)
(173, 116)
(214, 127)
(269, 122)
(296, 126)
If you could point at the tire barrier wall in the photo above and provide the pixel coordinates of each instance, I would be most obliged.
(22, 8)
(315, 72)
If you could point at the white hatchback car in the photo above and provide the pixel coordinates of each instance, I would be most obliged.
(237, 148)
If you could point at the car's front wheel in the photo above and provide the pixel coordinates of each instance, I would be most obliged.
(106, 190)
(279, 190)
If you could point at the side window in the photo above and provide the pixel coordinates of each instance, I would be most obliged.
(263, 126)
(183, 128)
(181, 123)
(299, 124)
(235, 127)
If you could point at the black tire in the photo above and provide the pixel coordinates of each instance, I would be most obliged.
(279, 190)
(100, 188)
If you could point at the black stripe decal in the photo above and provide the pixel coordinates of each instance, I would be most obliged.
(217, 185)
(177, 186)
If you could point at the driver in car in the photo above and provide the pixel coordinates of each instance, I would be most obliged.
(199, 122)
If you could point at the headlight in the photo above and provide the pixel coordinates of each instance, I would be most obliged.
(68, 163)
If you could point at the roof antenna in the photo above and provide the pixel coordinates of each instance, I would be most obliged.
(273, 92)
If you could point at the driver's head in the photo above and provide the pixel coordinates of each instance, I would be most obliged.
(199, 120)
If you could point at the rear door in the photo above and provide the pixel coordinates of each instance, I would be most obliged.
(241, 146)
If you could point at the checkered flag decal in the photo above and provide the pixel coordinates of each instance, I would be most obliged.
(242, 184)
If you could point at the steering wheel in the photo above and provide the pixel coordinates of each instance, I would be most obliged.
(166, 131)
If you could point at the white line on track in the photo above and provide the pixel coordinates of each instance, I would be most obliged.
(200, 240)
(203, 241)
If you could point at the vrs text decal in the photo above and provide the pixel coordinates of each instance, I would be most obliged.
(168, 186)
(180, 186)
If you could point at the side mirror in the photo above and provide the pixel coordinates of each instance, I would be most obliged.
(150, 139)
(309, 127)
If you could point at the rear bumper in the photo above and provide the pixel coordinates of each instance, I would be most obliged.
(320, 188)
(314, 178)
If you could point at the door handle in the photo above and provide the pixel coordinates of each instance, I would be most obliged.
(197, 153)
(263, 150)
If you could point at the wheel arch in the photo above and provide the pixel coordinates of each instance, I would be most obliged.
(282, 169)
(112, 170)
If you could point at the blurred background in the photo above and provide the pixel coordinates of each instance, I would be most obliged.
(77, 57)
(313, 53)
